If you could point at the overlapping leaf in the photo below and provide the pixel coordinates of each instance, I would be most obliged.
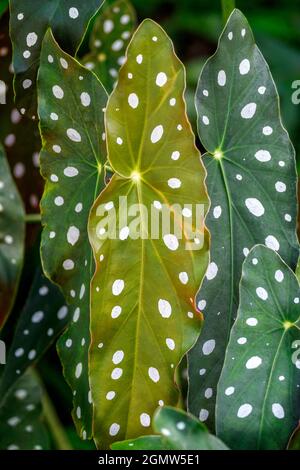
(252, 185)
(258, 402)
(110, 37)
(19, 135)
(29, 23)
(143, 317)
(12, 232)
(43, 318)
(21, 424)
(178, 431)
(71, 102)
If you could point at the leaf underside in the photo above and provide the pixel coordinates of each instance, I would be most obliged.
(71, 103)
(143, 317)
(21, 425)
(258, 402)
(12, 234)
(178, 431)
(252, 185)
(109, 39)
(29, 22)
(43, 318)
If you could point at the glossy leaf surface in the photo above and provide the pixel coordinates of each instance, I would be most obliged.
(258, 402)
(111, 34)
(29, 22)
(143, 317)
(12, 233)
(21, 424)
(252, 185)
(71, 102)
(178, 431)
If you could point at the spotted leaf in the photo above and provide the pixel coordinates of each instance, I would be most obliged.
(143, 316)
(109, 39)
(252, 185)
(258, 402)
(41, 321)
(21, 424)
(12, 232)
(178, 431)
(29, 22)
(71, 103)
(19, 135)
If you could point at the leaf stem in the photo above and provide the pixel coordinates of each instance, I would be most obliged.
(55, 426)
(227, 7)
(33, 218)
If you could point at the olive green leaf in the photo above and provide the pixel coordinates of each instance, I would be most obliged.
(258, 400)
(252, 185)
(71, 103)
(29, 22)
(19, 135)
(294, 443)
(109, 39)
(143, 314)
(43, 318)
(21, 424)
(178, 430)
(12, 234)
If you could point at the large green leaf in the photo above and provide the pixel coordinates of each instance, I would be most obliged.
(109, 39)
(252, 185)
(12, 233)
(71, 103)
(43, 318)
(258, 401)
(21, 424)
(178, 431)
(143, 317)
(28, 25)
(19, 135)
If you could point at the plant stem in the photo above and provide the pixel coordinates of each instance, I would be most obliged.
(33, 218)
(227, 7)
(56, 428)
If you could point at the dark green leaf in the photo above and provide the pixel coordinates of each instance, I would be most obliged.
(143, 314)
(252, 186)
(258, 402)
(12, 232)
(71, 103)
(41, 321)
(110, 37)
(142, 443)
(21, 425)
(28, 24)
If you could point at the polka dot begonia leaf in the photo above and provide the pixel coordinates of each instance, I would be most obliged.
(109, 39)
(71, 110)
(143, 314)
(29, 22)
(43, 318)
(258, 401)
(252, 186)
(12, 235)
(21, 424)
(19, 135)
(178, 431)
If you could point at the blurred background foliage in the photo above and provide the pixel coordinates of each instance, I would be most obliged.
(194, 26)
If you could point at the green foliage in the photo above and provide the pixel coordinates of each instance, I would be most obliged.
(12, 228)
(71, 103)
(252, 185)
(29, 22)
(110, 37)
(258, 404)
(43, 318)
(143, 317)
(178, 431)
(21, 424)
